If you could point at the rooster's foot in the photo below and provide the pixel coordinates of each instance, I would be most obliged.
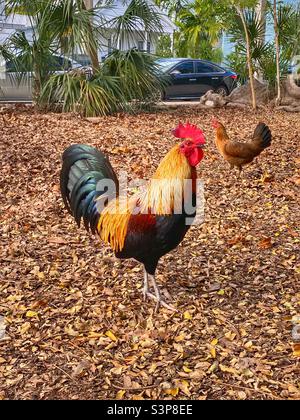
(161, 302)
(157, 295)
(158, 298)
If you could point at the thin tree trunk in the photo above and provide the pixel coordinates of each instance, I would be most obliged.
(173, 44)
(249, 57)
(91, 47)
(278, 99)
(37, 78)
(261, 11)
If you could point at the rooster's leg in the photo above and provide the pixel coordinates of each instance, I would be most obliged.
(157, 297)
(146, 284)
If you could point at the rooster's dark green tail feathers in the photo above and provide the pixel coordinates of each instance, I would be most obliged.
(83, 167)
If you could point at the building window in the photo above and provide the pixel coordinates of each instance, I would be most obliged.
(148, 47)
(109, 47)
(141, 45)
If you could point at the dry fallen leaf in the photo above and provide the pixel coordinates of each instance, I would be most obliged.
(187, 315)
(172, 391)
(32, 314)
(111, 335)
(265, 243)
(120, 394)
(296, 350)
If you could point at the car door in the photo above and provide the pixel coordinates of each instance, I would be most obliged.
(182, 80)
(15, 86)
(208, 77)
(5, 84)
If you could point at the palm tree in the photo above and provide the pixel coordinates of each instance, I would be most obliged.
(288, 19)
(173, 7)
(266, 58)
(126, 25)
(200, 26)
(249, 32)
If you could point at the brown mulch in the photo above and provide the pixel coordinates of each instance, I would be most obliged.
(76, 326)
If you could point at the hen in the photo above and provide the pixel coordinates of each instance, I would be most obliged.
(240, 154)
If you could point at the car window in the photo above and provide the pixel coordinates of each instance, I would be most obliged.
(185, 68)
(10, 66)
(56, 63)
(13, 67)
(166, 64)
(207, 68)
(59, 63)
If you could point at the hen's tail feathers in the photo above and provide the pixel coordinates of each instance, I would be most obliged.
(262, 136)
(83, 167)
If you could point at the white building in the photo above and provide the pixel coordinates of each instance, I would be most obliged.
(9, 24)
(141, 39)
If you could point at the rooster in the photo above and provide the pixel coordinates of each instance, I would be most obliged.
(150, 223)
(239, 154)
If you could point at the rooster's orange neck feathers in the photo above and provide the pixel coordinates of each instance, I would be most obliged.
(221, 133)
(173, 165)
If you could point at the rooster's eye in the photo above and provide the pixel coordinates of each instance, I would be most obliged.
(188, 143)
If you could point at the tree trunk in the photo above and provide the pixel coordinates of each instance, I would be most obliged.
(261, 11)
(249, 57)
(278, 99)
(92, 47)
(37, 77)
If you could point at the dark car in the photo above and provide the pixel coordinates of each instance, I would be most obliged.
(189, 78)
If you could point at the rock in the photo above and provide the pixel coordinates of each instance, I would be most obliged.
(290, 95)
(210, 104)
(212, 100)
(242, 94)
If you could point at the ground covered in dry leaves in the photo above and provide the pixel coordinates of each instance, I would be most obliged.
(75, 323)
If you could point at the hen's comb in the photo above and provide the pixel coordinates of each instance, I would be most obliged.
(215, 123)
(188, 131)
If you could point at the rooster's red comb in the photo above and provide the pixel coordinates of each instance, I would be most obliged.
(188, 131)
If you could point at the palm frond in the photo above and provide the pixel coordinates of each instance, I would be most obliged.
(255, 26)
(267, 64)
(200, 27)
(137, 71)
(289, 29)
(75, 92)
(140, 16)
(71, 23)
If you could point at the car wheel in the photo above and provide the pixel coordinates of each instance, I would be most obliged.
(222, 90)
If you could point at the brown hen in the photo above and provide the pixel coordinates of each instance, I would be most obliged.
(237, 153)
